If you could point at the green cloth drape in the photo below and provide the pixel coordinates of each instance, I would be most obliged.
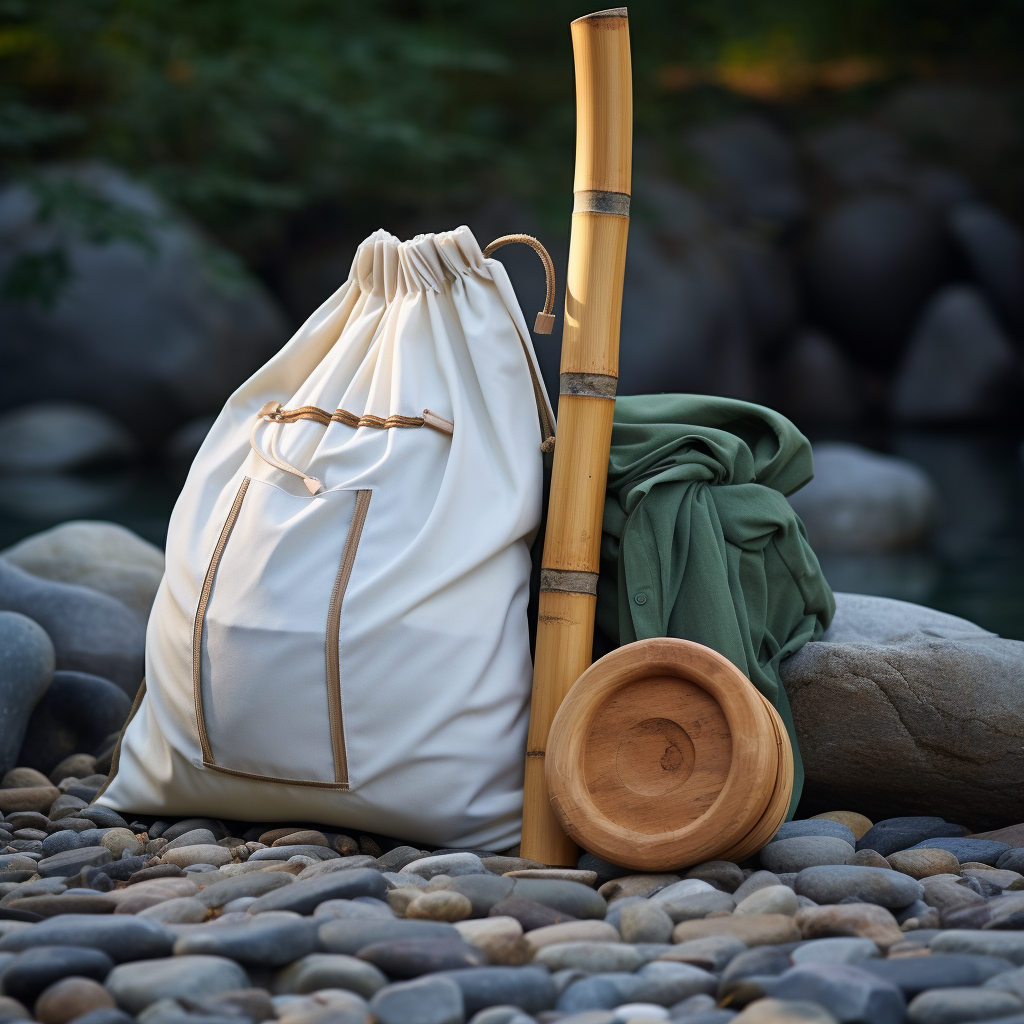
(699, 541)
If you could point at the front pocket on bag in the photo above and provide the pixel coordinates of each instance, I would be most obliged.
(265, 648)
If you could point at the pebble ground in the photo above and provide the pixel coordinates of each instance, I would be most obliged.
(838, 921)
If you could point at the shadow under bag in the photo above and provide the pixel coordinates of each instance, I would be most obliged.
(341, 633)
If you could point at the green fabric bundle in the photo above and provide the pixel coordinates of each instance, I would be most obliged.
(700, 543)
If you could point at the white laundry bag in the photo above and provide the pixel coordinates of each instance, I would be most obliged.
(341, 633)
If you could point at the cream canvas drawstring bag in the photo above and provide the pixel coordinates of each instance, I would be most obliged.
(341, 634)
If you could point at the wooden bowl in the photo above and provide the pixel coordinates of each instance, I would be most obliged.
(663, 755)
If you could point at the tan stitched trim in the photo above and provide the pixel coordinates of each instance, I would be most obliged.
(268, 778)
(115, 760)
(197, 629)
(334, 708)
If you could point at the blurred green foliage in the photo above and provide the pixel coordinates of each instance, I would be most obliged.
(256, 116)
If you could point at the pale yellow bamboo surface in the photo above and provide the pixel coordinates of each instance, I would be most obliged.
(590, 346)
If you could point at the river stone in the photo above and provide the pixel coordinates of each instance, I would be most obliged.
(752, 929)
(666, 984)
(934, 698)
(91, 632)
(1005, 911)
(102, 556)
(855, 822)
(647, 885)
(600, 992)
(207, 853)
(773, 899)
(441, 905)
(896, 834)
(571, 931)
(712, 953)
(399, 857)
(315, 853)
(329, 970)
(194, 837)
(593, 957)
(943, 1005)
(1006, 944)
(722, 874)
(923, 862)
(271, 943)
(983, 851)
(696, 906)
(805, 851)
(451, 864)
(957, 362)
(409, 958)
(482, 891)
(529, 913)
(871, 885)
(121, 937)
(855, 920)
(70, 862)
(835, 951)
(119, 840)
(27, 662)
(570, 897)
(179, 828)
(303, 897)
(181, 910)
(915, 974)
(136, 985)
(430, 1000)
(756, 880)
(349, 935)
(28, 973)
(218, 893)
(645, 922)
(530, 988)
(815, 827)
(18, 778)
(104, 817)
(499, 938)
(850, 993)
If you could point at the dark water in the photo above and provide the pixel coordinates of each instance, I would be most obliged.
(973, 567)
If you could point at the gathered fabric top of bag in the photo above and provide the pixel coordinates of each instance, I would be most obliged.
(700, 543)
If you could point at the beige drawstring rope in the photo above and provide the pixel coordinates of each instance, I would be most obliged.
(271, 413)
(545, 322)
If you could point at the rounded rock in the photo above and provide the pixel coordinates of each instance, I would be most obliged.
(136, 985)
(645, 922)
(117, 840)
(881, 886)
(856, 823)
(786, 855)
(27, 662)
(815, 827)
(953, 1005)
(71, 998)
(924, 863)
(773, 899)
(440, 905)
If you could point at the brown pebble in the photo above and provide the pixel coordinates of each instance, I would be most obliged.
(369, 847)
(269, 838)
(71, 997)
(49, 905)
(441, 905)
(753, 929)
(345, 845)
(77, 766)
(18, 778)
(70, 824)
(855, 920)
(305, 837)
(868, 859)
(28, 798)
(856, 823)
(28, 819)
(923, 863)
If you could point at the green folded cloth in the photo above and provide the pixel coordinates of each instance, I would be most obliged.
(699, 541)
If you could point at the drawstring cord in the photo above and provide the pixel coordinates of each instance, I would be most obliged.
(545, 322)
(271, 413)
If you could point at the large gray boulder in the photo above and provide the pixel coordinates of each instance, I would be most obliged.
(91, 632)
(958, 363)
(152, 333)
(102, 556)
(904, 710)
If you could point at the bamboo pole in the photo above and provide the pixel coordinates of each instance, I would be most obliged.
(589, 374)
